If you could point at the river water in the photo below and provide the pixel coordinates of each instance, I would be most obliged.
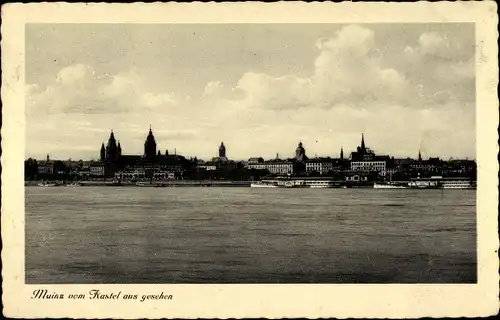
(249, 235)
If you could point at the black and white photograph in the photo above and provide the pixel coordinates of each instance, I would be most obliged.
(250, 153)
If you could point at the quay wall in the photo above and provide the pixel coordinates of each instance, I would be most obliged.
(168, 183)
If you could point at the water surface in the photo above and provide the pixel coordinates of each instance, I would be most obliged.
(249, 235)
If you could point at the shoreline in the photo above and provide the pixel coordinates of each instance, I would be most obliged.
(155, 184)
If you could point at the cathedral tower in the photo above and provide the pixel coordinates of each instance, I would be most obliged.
(111, 148)
(103, 152)
(222, 150)
(119, 150)
(150, 146)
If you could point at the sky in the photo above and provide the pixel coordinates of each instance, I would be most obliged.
(259, 88)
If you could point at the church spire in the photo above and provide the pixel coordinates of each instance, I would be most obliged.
(341, 153)
(363, 148)
(419, 155)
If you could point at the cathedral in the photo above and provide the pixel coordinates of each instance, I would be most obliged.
(112, 152)
(149, 163)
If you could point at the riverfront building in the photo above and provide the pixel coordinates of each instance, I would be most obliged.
(150, 165)
(364, 159)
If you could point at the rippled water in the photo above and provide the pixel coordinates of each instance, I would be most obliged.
(247, 235)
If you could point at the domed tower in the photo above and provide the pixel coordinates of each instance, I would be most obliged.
(222, 150)
(103, 152)
(150, 146)
(111, 148)
(300, 153)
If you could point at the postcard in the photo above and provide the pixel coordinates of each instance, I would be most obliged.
(243, 160)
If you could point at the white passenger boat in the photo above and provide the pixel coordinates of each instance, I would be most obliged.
(261, 184)
(293, 184)
(424, 184)
(457, 184)
(390, 185)
(47, 184)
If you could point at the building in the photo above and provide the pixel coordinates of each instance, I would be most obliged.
(300, 153)
(255, 160)
(319, 165)
(150, 165)
(378, 166)
(46, 167)
(365, 159)
(275, 166)
(299, 166)
(222, 158)
(97, 169)
(362, 153)
(431, 165)
(279, 167)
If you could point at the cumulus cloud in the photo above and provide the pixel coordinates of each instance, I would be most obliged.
(347, 69)
(77, 89)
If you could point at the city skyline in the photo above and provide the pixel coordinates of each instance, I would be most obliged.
(259, 88)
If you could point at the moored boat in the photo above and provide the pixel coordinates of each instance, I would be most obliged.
(47, 184)
(424, 184)
(390, 185)
(261, 184)
(457, 184)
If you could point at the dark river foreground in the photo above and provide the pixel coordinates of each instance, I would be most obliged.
(249, 235)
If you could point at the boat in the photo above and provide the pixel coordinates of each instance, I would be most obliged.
(47, 184)
(322, 183)
(293, 184)
(262, 184)
(424, 184)
(457, 184)
(390, 185)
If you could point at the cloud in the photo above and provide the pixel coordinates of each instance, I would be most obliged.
(78, 89)
(347, 70)
(427, 93)
(443, 63)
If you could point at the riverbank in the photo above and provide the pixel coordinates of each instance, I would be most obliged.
(165, 183)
